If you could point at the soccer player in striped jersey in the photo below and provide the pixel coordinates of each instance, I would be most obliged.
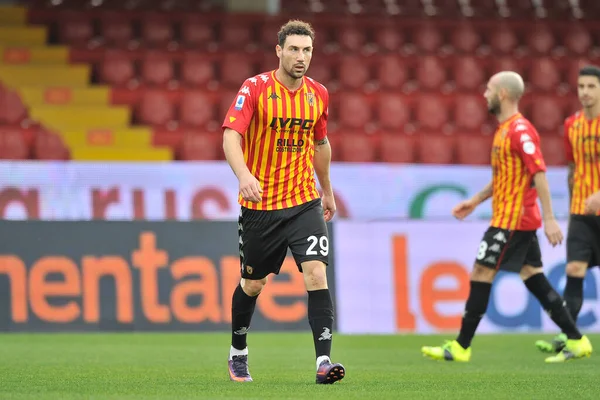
(275, 139)
(510, 243)
(582, 143)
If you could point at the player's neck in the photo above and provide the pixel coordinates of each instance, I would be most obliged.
(290, 83)
(591, 113)
(505, 115)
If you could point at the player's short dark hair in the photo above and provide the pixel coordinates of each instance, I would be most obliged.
(295, 27)
(590, 70)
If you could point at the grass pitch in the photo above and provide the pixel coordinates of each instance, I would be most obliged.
(193, 366)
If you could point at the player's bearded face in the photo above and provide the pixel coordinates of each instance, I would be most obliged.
(494, 104)
(588, 90)
(295, 56)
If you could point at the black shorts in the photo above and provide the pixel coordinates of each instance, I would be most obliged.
(583, 239)
(509, 250)
(265, 236)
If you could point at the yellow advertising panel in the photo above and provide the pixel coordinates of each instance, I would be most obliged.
(86, 153)
(38, 75)
(23, 35)
(63, 118)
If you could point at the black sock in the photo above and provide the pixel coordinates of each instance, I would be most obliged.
(477, 303)
(554, 305)
(320, 318)
(574, 295)
(242, 308)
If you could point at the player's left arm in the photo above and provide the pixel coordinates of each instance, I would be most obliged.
(322, 163)
(525, 142)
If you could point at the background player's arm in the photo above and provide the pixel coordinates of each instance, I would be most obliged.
(232, 146)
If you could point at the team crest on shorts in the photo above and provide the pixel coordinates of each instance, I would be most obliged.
(311, 99)
(249, 269)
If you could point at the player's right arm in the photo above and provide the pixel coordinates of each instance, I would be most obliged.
(466, 207)
(232, 146)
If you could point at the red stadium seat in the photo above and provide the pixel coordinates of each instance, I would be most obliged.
(75, 29)
(354, 72)
(117, 68)
(157, 68)
(12, 109)
(465, 39)
(572, 72)
(468, 73)
(547, 113)
(199, 146)
(506, 64)
(435, 149)
(474, 149)
(49, 146)
(553, 149)
(540, 39)
(235, 69)
(198, 32)
(116, 29)
(577, 40)
(391, 72)
(236, 33)
(503, 39)
(470, 112)
(544, 74)
(358, 147)
(197, 109)
(12, 144)
(350, 38)
(430, 72)
(389, 38)
(428, 38)
(393, 111)
(397, 148)
(320, 70)
(198, 70)
(225, 99)
(156, 108)
(355, 111)
(157, 30)
(431, 112)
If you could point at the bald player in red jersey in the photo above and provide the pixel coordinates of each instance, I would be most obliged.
(275, 139)
(510, 243)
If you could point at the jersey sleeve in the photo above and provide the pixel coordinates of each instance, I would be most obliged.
(321, 125)
(242, 108)
(525, 142)
(568, 145)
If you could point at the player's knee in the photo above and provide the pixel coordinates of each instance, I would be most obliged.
(315, 275)
(482, 274)
(576, 269)
(528, 271)
(253, 287)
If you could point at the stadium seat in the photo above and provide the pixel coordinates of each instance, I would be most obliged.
(196, 109)
(577, 40)
(393, 111)
(431, 112)
(198, 70)
(350, 38)
(389, 38)
(75, 29)
(540, 40)
(470, 112)
(434, 148)
(465, 39)
(200, 146)
(354, 110)
(12, 109)
(547, 113)
(156, 108)
(235, 68)
(506, 63)
(544, 74)
(12, 144)
(430, 72)
(392, 72)
(358, 147)
(49, 146)
(553, 149)
(321, 70)
(117, 68)
(116, 29)
(354, 72)
(427, 38)
(468, 74)
(157, 30)
(236, 33)
(157, 68)
(474, 149)
(198, 32)
(397, 148)
(503, 39)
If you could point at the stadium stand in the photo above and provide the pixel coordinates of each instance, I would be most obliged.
(150, 80)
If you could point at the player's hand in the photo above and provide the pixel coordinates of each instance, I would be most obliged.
(329, 208)
(553, 232)
(463, 209)
(592, 204)
(250, 188)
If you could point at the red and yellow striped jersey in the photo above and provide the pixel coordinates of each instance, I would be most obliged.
(582, 144)
(279, 129)
(516, 158)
